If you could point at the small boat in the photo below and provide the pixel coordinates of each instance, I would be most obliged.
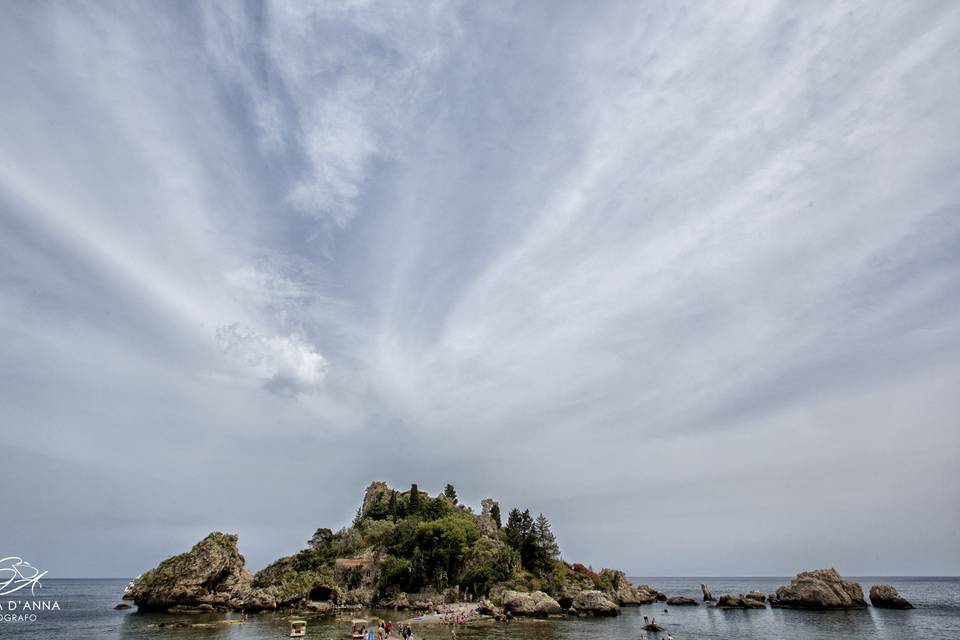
(358, 629)
(298, 628)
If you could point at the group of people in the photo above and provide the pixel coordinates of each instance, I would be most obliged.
(384, 630)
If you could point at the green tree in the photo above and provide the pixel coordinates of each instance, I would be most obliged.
(435, 508)
(495, 514)
(451, 493)
(323, 537)
(542, 547)
(392, 507)
(396, 575)
(444, 544)
(414, 506)
(513, 532)
(528, 543)
(489, 561)
(379, 510)
(545, 538)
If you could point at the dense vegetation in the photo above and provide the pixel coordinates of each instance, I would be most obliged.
(422, 543)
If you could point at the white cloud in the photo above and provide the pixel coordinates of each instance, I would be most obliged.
(502, 241)
(289, 365)
(345, 80)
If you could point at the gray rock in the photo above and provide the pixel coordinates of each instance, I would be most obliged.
(886, 597)
(529, 604)
(547, 607)
(624, 592)
(681, 601)
(739, 602)
(210, 576)
(707, 596)
(820, 589)
(595, 602)
(487, 608)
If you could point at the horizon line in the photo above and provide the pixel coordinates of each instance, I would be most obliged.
(851, 575)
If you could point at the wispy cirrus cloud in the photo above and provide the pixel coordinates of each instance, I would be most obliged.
(563, 254)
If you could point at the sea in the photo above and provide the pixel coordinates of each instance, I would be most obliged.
(85, 609)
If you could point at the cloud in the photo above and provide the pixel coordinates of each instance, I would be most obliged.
(595, 260)
(288, 364)
(332, 85)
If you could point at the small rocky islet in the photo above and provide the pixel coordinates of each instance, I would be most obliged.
(408, 550)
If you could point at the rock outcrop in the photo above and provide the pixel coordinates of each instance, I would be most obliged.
(681, 601)
(820, 589)
(487, 608)
(596, 603)
(886, 597)
(396, 601)
(210, 576)
(756, 595)
(530, 604)
(377, 493)
(624, 592)
(290, 586)
(739, 602)
(707, 596)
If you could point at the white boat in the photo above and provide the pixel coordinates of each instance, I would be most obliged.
(358, 629)
(298, 628)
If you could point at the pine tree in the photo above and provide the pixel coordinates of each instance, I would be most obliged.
(528, 544)
(526, 524)
(414, 500)
(392, 507)
(359, 517)
(495, 514)
(513, 531)
(451, 493)
(546, 541)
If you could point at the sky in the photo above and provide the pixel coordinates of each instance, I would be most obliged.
(684, 277)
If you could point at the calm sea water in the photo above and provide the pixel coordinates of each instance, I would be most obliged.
(86, 611)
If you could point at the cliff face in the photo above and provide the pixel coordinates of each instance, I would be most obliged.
(211, 575)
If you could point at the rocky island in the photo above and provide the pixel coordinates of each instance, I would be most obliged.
(819, 589)
(413, 551)
(404, 550)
